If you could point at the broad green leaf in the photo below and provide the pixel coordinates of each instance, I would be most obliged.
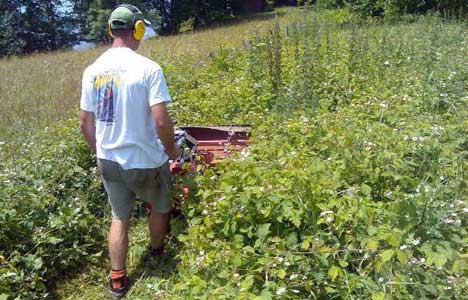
(282, 273)
(378, 296)
(372, 245)
(265, 295)
(366, 189)
(305, 245)
(402, 257)
(387, 255)
(3, 297)
(440, 260)
(263, 230)
(334, 272)
(247, 282)
(371, 230)
(276, 239)
(393, 239)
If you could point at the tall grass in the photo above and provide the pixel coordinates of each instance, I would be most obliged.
(44, 88)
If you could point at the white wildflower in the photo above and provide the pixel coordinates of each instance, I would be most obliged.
(415, 242)
(327, 212)
(281, 291)
(244, 154)
(403, 247)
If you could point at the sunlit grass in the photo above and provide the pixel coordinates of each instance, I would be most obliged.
(44, 88)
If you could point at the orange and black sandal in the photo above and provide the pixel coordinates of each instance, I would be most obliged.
(118, 284)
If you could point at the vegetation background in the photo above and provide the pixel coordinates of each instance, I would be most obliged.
(35, 26)
(354, 187)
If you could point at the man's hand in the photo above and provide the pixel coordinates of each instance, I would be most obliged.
(88, 128)
(165, 130)
(174, 153)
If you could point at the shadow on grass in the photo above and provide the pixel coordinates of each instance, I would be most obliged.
(253, 17)
(236, 20)
(161, 267)
(165, 266)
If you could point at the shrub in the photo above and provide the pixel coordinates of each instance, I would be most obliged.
(51, 207)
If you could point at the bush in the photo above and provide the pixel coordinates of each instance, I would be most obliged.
(354, 185)
(51, 208)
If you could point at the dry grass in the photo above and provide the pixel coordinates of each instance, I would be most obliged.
(44, 88)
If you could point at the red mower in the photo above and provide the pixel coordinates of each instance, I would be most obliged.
(205, 146)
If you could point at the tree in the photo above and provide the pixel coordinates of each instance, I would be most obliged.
(33, 25)
(94, 25)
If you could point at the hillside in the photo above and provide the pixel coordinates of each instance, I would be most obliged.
(44, 88)
(354, 186)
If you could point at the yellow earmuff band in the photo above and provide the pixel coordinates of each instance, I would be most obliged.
(109, 30)
(139, 30)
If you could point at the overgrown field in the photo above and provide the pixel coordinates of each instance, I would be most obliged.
(354, 187)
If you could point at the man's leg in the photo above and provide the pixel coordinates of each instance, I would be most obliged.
(158, 224)
(118, 244)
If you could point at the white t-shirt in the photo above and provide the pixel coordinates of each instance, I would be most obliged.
(119, 88)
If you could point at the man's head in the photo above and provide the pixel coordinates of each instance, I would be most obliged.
(128, 24)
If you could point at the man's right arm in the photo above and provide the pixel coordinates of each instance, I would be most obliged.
(88, 128)
(165, 129)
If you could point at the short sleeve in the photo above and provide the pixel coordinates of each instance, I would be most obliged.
(157, 88)
(88, 96)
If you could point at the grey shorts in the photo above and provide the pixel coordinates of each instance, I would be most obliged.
(122, 186)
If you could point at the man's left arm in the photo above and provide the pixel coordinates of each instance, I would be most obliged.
(88, 128)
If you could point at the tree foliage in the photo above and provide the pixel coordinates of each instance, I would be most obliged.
(29, 26)
(398, 7)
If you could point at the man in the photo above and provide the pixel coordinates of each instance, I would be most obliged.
(125, 121)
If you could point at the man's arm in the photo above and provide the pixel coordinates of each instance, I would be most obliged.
(88, 128)
(165, 129)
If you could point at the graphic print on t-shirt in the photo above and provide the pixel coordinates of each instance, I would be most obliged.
(107, 88)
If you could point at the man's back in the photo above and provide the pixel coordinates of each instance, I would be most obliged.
(119, 88)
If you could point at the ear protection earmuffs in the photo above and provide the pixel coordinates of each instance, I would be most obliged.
(139, 26)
